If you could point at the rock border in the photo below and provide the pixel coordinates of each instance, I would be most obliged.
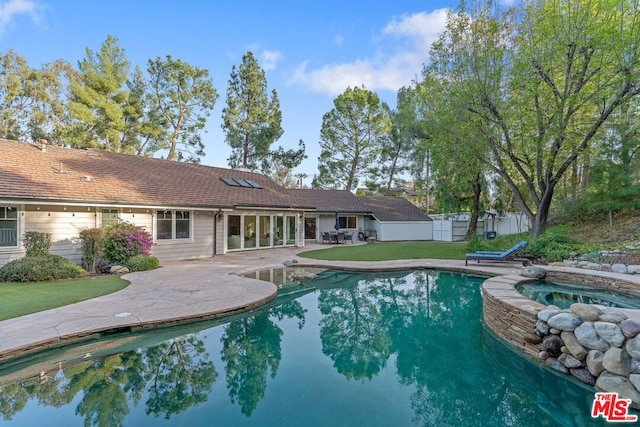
(547, 334)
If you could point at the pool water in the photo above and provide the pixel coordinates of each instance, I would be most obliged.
(562, 295)
(344, 349)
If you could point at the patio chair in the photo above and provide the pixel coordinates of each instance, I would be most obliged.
(340, 237)
(326, 237)
(510, 255)
(348, 238)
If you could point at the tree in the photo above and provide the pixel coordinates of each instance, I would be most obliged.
(31, 103)
(180, 99)
(543, 84)
(351, 138)
(252, 121)
(395, 147)
(98, 98)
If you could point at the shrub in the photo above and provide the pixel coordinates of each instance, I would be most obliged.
(40, 268)
(125, 240)
(555, 245)
(142, 263)
(36, 243)
(91, 247)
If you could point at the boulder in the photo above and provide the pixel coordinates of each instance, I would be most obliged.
(583, 375)
(594, 362)
(534, 272)
(573, 345)
(547, 313)
(542, 328)
(569, 361)
(610, 332)
(619, 268)
(586, 312)
(552, 345)
(617, 384)
(118, 269)
(633, 269)
(629, 328)
(589, 338)
(554, 363)
(564, 321)
(617, 361)
(613, 317)
(633, 347)
(635, 380)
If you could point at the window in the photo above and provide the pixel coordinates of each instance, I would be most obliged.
(8, 226)
(347, 221)
(173, 225)
(109, 217)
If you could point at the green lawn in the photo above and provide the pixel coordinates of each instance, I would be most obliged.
(389, 251)
(18, 299)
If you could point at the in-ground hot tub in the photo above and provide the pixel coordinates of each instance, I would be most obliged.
(564, 294)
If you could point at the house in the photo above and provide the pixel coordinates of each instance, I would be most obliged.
(396, 218)
(192, 211)
(386, 218)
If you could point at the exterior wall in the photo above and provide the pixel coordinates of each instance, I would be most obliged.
(199, 246)
(63, 224)
(326, 223)
(405, 231)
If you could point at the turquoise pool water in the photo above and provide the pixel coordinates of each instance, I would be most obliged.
(564, 294)
(344, 349)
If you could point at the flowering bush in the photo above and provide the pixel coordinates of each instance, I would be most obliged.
(125, 240)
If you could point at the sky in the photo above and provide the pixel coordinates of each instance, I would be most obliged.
(311, 52)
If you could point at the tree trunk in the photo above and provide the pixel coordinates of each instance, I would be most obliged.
(539, 225)
(475, 210)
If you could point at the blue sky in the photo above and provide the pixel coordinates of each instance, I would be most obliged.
(311, 51)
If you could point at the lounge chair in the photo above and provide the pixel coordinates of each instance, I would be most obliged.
(510, 255)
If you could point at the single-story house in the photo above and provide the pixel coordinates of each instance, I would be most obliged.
(395, 219)
(192, 211)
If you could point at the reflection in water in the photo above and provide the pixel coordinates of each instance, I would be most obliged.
(401, 348)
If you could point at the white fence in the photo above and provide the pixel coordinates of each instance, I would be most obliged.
(453, 228)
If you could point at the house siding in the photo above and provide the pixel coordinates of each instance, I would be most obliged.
(64, 226)
(199, 246)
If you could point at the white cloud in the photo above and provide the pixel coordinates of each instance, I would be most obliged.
(11, 9)
(402, 49)
(269, 59)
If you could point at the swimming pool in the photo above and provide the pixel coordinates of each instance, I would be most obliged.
(399, 348)
(562, 295)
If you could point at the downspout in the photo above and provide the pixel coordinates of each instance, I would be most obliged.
(215, 231)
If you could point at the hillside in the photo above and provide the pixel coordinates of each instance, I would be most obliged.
(621, 229)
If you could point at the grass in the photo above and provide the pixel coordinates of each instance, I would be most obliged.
(19, 299)
(389, 251)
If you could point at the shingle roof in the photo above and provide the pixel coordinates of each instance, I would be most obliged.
(91, 176)
(330, 201)
(390, 208)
